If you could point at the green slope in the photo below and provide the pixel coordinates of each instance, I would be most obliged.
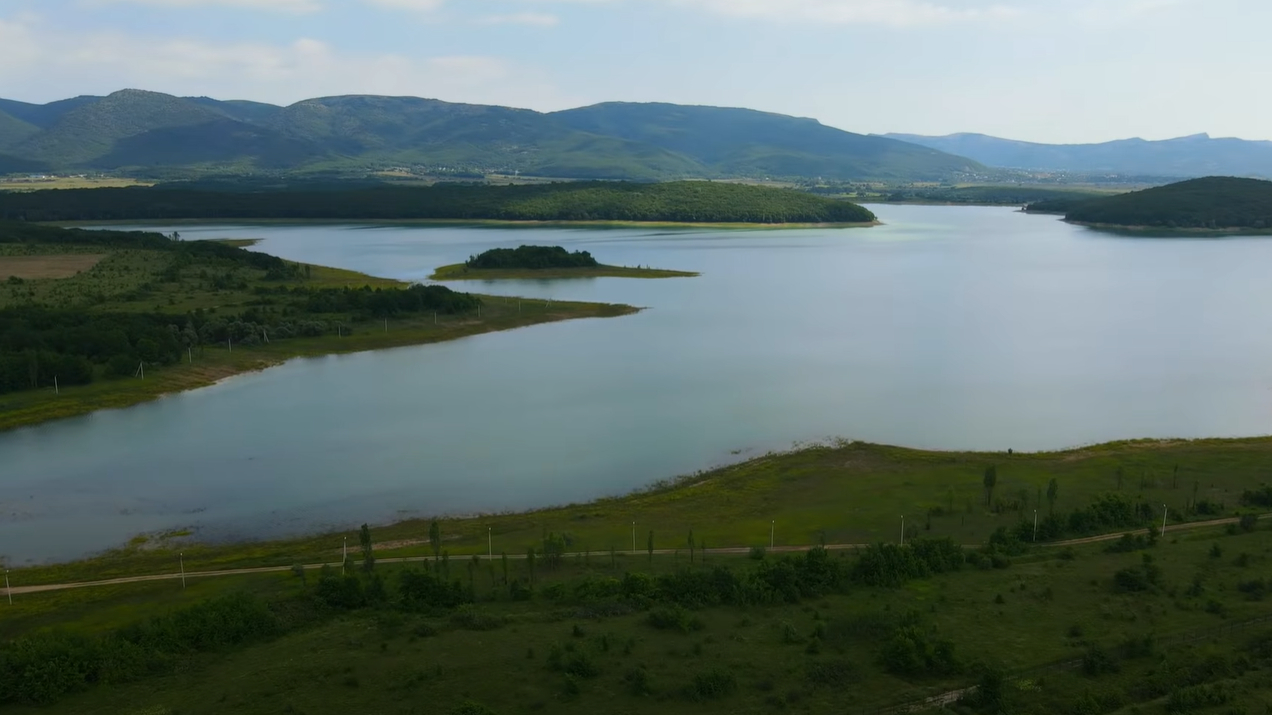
(1215, 203)
(90, 131)
(14, 131)
(744, 142)
(155, 133)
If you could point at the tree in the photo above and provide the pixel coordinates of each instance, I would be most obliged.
(1053, 492)
(990, 481)
(368, 557)
(650, 546)
(435, 540)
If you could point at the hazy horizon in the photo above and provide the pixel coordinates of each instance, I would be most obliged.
(1085, 72)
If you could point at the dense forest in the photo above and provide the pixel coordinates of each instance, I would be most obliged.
(74, 344)
(532, 257)
(686, 201)
(1214, 203)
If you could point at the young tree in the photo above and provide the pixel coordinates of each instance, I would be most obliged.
(368, 556)
(1053, 492)
(435, 540)
(650, 546)
(990, 481)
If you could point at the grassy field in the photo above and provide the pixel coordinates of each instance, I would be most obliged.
(845, 493)
(461, 272)
(1035, 621)
(67, 182)
(147, 281)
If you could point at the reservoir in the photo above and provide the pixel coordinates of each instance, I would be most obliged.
(946, 328)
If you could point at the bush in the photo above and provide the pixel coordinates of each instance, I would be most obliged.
(832, 673)
(758, 553)
(420, 591)
(913, 651)
(638, 682)
(673, 618)
(343, 591)
(1198, 697)
(1096, 661)
(1248, 522)
(471, 619)
(713, 684)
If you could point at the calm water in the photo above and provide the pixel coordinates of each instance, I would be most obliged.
(946, 328)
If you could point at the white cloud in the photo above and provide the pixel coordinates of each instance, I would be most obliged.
(878, 12)
(296, 6)
(411, 5)
(39, 64)
(537, 19)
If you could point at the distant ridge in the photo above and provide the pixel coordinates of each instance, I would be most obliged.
(1186, 157)
(149, 132)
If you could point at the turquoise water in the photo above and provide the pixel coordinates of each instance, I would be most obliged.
(948, 327)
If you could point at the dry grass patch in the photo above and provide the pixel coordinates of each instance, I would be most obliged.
(35, 267)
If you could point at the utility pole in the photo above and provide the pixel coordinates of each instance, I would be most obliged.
(56, 390)
(181, 558)
(772, 531)
(490, 544)
(1165, 511)
(7, 590)
(1035, 524)
(903, 529)
(345, 559)
(633, 538)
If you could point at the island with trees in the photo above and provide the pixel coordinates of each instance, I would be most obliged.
(543, 262)
(101, 319)
(1212, 204)
(694, 203)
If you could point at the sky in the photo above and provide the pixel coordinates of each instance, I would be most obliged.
(1059, 71)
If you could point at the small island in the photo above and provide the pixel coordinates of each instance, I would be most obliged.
(542, 262)
(1215, 204)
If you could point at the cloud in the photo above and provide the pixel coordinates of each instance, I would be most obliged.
(294, 6)
(536, 19)
(39, 64)
(876, 12)
(411, 5)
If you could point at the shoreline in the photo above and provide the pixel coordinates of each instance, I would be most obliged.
(32, 408)
(767, 481)
(1169, 232)
(498, 223)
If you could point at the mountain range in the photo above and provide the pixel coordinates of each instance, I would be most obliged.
(1185, 157)
(139, 132)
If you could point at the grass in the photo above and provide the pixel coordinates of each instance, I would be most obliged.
(819, 655)
(68, 182)
(461, 272)
(842, 493)
(51, 266)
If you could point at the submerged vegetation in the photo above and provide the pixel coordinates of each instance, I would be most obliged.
(694, 202)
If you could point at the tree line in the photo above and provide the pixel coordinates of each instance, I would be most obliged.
(531, 257)
(684, 201)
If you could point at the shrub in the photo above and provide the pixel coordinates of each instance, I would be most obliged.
(420, 590)
(1096, 661)
(471, 708)
(471, 619)
(638, 682)
(713, 684)
(912, 650)
(831, 673)
(673, 618)
(1248, 522)
(1254, 590)
(1198, 697)
(758, 553)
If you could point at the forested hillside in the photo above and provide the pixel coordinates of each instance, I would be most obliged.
(152, 134)
(683, 202)
(1209, 203)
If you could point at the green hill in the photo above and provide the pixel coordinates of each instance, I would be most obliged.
(1214, 203)
(158, 134)
(677, 202)
(744, 142)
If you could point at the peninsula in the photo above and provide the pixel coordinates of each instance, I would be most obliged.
(1214, 204)
(105, 319)
(543, 262)
(691, 203)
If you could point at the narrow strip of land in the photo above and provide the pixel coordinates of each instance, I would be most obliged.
(721, 551)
